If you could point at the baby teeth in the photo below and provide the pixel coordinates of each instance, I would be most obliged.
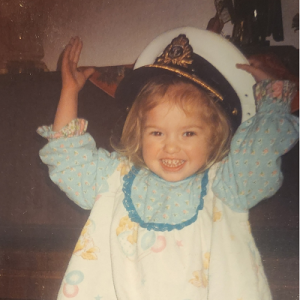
(172, 163)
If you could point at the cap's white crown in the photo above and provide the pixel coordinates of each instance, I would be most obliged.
(222, 54)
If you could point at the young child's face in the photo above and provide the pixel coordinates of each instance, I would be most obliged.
(174, 144)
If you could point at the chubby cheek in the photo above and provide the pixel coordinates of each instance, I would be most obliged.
(199, 153)
(148, 151)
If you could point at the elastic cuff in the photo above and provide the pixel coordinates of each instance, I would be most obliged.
(75, 128)
(274, 91)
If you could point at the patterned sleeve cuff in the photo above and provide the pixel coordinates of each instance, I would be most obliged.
(274, 91)
(75, 128)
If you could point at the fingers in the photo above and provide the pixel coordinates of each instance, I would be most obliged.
(66, 54)
(254, 61)
(258, 72)
(76, 46)
(88, 72)
(71, 55)
(248, 68)
(77, 51)
(72, 51)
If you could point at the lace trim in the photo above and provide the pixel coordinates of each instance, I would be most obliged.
(75, 128)
(134, 216)
(281, 91)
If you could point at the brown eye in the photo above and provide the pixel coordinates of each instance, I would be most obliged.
(189, 133)
(156, 133)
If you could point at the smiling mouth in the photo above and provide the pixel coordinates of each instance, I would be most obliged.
(172, 163)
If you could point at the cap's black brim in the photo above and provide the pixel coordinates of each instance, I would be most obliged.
(131, 85)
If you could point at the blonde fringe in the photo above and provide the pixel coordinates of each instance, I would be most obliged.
(130, 145)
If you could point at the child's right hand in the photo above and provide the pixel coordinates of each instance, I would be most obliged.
(73, 79)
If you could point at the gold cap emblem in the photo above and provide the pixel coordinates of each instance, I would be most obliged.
(179, 53)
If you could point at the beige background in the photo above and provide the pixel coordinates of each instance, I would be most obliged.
(115, 32)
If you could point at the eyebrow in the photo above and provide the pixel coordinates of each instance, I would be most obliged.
(189, 127)
(193, 126)
(151, 126)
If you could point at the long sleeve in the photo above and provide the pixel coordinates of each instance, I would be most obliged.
(75, 164)
(251, 171)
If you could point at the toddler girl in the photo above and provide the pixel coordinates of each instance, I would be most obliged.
(169, 209)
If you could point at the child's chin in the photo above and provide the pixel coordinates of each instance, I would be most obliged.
(173, 177)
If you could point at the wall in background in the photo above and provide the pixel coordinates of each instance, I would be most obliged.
(114, 32)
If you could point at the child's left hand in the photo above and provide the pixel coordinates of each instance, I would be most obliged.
(258, 70)
(269, 66)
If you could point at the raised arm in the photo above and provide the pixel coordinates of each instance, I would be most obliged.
(251, 171)
(73, 81)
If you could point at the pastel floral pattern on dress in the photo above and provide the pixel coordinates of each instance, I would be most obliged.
(217, 214)
(75, 128)
(127, 225)
(277, 91)
(200, 277)
(251, 171)
(159, 205)
(85, 246)
(73, 164)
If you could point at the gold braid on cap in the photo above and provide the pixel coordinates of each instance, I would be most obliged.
(179, 53)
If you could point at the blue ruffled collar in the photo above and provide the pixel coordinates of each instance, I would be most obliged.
(159, 205)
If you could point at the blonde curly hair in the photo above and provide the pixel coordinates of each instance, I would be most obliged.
(188, 97)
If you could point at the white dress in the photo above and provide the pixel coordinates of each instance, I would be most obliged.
(148, 239)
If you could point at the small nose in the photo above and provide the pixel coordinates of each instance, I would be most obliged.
(171, 146)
